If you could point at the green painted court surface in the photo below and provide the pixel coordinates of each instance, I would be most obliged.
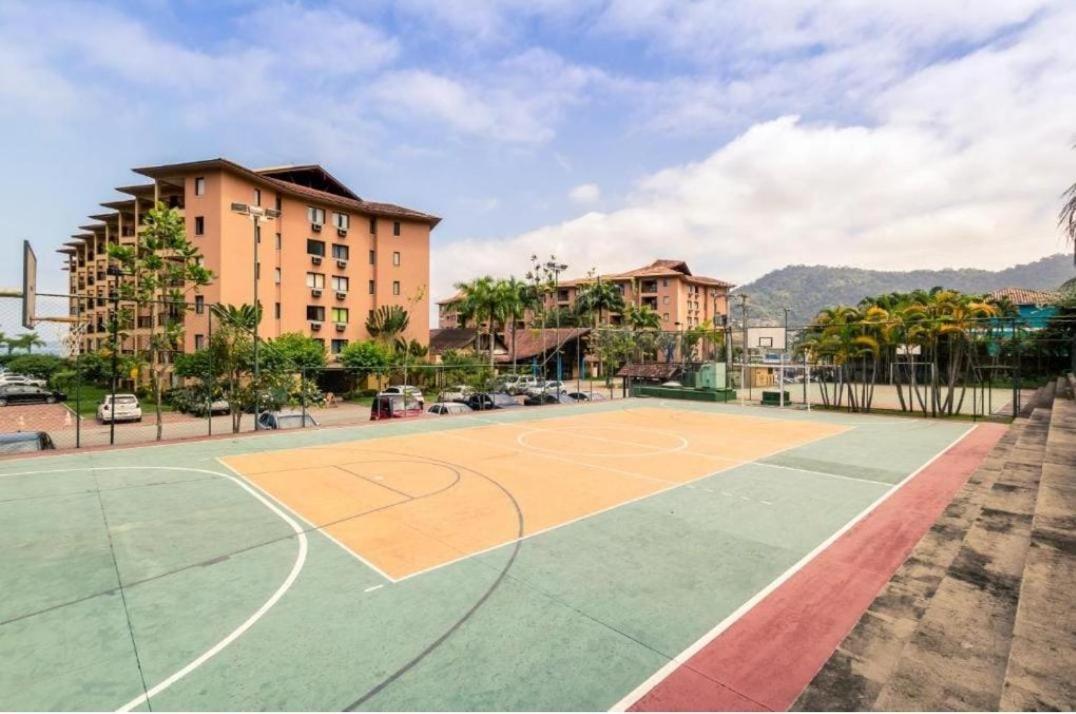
(156, 570)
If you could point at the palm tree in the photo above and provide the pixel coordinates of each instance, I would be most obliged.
(516, 298)
(1066, 217)
(483, 302)
(27, 341)
(597, 298)
(242, 317)
(386, 322)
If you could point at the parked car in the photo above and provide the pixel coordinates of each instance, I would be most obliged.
(127, 408)
(484, 401)
(449, 409)
(28, 394)
(21, 379)
(456, 393)
(549, 385)
(518, 383)
(405, 389)
(21, 442)
(671, 383)
(587, 396)
(284, 420)
(537, 400)
(392, 405)
(217, 406)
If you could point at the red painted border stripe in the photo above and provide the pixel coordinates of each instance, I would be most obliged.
(767, 657)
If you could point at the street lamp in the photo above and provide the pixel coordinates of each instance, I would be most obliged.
(257, 214)
(557, 268)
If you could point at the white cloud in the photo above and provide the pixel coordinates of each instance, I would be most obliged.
(586, 194)
(959, 164)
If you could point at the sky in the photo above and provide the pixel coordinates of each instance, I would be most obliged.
(739, 135)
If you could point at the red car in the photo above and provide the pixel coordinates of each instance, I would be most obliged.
(394, 406)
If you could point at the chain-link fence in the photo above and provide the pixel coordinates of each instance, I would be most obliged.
(96, 372)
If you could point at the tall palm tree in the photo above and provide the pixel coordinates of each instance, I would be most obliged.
(516, 298)
(597, 298)
(481, 301)
(28, 341)
(1066, 217)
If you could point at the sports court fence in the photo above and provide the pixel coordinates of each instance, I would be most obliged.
(214, 377)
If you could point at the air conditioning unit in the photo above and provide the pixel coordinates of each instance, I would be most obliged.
(341, 264)
(341, 295)
(315, 227)
(315, 259)
(341, 326)
(315, 326)
(316, 292)
(342, 232)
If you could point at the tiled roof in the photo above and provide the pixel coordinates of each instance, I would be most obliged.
(453, 338)
(1021, 296)
(533, 342)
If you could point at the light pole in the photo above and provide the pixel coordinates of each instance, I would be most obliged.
(257, 214)
(557, 268)
(116, 272)
(744, 352)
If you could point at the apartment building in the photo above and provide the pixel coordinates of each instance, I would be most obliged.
(328, 261)
(682, 299)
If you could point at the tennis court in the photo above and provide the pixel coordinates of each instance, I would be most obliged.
(529, 559)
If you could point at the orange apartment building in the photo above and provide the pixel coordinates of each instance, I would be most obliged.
(682, 299)
(324, 264)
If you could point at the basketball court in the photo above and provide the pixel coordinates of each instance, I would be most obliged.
(525, 560)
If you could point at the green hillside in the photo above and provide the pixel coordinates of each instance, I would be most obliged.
(809, 288)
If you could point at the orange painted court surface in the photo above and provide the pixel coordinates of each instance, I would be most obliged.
(410, 503)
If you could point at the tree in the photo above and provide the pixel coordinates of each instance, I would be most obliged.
(295, 351)
(227, 363)
(1066, 217)
(41, 366)
(365, 358)
(484, 303)
(26, 341)
(387, 322)
(161, 271)
(597, 298)
(517, 297)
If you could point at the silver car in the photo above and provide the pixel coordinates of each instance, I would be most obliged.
(448, 409)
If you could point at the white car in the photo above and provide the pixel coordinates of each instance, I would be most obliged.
(519, 383)
(127, 408)
(21, 380)
(550, 386)
(414, 392)
(456, 393)
(448, 409)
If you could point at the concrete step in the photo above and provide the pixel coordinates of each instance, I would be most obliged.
(1041, 669)
(857, 671)
(957, 657)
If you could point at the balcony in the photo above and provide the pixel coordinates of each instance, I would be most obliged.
(648, 286)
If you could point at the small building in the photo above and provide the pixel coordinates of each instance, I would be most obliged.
(1034, 307)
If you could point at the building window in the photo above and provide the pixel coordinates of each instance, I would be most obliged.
(373, 226)
(199, 186)
(257, 233)
(396, 257)
(373, 257)
(340, 283)
(665, 317)
(257, 197)
(395, 228)
(199, 304)
(338, 346)
(257, 271)
(664, 282)
(276, 310)
(316, 215)
(279, 202)
(199, 342)
(199, 225)
(372, 287)
(340, 314)
(276, 275)
(315, 247)
(665, 300)
(340, 252)
(315, 281)
(315, 313)
(341, 221)
(279, 242)
(395, 287)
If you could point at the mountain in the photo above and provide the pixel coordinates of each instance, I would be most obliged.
(809, 288)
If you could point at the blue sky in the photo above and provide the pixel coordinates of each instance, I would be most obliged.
(741, 136)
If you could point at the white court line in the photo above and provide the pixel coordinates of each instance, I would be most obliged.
(653, 680)
(197, 662)
(312, 525)
(374, 587)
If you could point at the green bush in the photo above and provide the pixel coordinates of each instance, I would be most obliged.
(41, 366)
